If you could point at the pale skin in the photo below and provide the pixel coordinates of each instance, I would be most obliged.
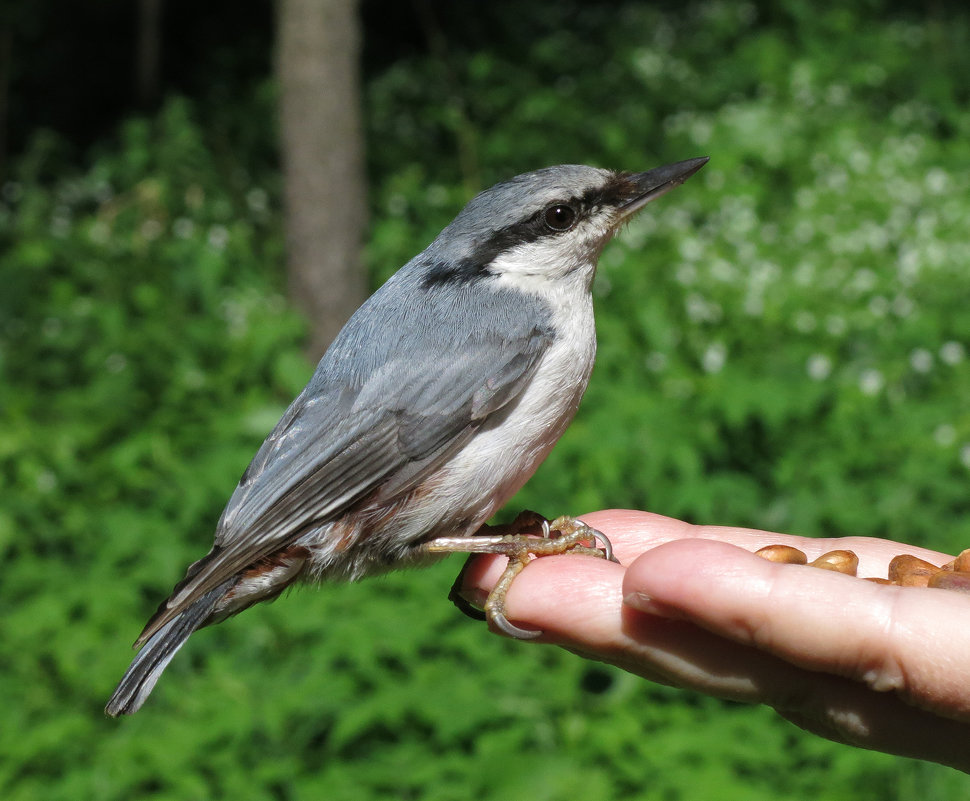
(880, 667)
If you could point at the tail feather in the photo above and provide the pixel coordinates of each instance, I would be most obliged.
(145, 669)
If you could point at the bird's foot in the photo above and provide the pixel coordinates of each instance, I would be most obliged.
(529, 536)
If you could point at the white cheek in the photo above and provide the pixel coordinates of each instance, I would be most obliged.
(553, 257)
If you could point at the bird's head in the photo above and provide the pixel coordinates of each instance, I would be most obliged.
(545, 225)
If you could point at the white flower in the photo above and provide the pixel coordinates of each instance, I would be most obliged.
(903, 306)
(397, 205)
(46, 481)
(150, 229)
(836, 325)
(805, 322)
(936, 181)
(691, 250)
(860, 160)
(99, 232)
(805, 274)
(655, 361)
(115, 362)
(257, 200)
(183, 227)
(686, 274)
(60, 225)
(722, 270)
(714, 357)
(864, 280)
(878, 306)
(819, 366)
(910, 265)
(218, 237)
(804, 230)
(945, 435)
(700, 310)
(951, 352)
(921, 360)
(871, 382)
(804, 198)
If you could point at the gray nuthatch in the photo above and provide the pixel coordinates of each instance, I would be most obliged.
(433, 406)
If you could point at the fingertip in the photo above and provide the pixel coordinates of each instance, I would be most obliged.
(570, 598)
(678, 567)
(554, 594)
(647, 604)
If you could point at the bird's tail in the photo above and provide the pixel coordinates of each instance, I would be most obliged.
(139, 680)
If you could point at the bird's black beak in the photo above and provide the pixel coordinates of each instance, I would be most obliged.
(642, 187)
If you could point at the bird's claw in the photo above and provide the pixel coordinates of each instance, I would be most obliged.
(521, 548)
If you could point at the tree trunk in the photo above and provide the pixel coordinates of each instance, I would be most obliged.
(148, 53)
(318, 44)
(6, 48)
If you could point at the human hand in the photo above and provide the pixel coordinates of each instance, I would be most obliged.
(880, 667)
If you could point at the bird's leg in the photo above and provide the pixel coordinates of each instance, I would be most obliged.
(528, 536)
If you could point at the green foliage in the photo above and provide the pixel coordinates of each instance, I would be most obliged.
(783, 343)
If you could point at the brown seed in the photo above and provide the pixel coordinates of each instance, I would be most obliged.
(782, 553)
(962, 563)
(951, 580)
(839, 561)
(878, 580)
(910, 571)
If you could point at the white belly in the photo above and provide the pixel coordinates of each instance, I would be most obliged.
(466, 491)
(505, 453)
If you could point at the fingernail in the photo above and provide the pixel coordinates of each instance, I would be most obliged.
(644, 603)
(473, 596)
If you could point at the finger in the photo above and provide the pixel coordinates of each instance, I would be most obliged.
(905, 640)
(678, 653)
(577, 604)
(632, 532)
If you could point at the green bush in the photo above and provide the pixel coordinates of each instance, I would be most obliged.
(783, 343)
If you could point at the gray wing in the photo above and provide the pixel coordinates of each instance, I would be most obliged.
(385, 407)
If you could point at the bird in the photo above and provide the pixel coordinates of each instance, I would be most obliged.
(434, 404)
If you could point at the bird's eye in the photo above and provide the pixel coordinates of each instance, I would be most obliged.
(560, 217)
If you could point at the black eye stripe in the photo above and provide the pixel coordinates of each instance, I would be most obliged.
(474, 266)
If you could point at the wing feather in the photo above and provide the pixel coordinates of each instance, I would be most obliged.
(384, 427)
